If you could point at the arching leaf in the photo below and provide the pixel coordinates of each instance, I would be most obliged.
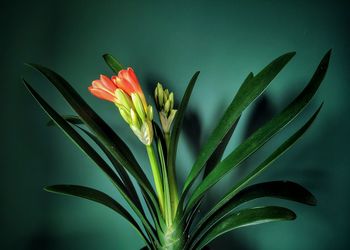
(90, 152)
(247, 93)
(99, 197)
(102, 131)
(73, 119)
(233, 198)
(175, 133)
(262, 135)
(243, 218)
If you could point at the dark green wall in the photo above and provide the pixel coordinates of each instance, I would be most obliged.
(168, 41)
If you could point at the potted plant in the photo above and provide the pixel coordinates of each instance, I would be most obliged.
(166, 218)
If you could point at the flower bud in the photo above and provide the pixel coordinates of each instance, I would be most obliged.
(136, 100)
(165, 104)
(171, 98)
(125, 114)
(144, 133)
(159, 95)
(134, 120)
(125, 92)
(150, 112)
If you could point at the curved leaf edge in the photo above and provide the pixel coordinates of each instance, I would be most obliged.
(244, 218)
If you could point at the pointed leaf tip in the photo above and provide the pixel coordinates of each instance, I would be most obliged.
(112, 63)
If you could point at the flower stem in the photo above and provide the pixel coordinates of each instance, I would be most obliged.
(174, 196)
(167, 201)
(156, 176)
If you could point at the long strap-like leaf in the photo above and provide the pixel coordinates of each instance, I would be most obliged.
(75, 120)
(90, 152)
(211, 163)
(119, 168)
(247, 93)
(174, 138)
(99, 197)
(262, 135)
(72, 119)
(277, 189)
(216, 157)
(233, 198)
(243, 218)
(129, 185)
(103, 132)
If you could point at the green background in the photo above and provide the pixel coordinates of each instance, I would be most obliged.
(168, 41)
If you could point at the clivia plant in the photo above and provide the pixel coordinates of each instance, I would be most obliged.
(166, 214)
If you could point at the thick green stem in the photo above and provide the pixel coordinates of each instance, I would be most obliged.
(156, 175)
(167, 201)
(174, 196)
(173, 238)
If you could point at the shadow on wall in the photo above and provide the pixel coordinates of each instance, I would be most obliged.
(42, 239)
(263, 110)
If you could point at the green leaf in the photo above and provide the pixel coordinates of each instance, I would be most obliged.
(112, 63)
(73, 119)
(215, 158)
(103, 132)
(161, 149)
(120, 170)
(123, 174)
(99, 197)
(191, 217)
(175, 133)
(276, 189)
(247, 93)
(89, 151)
(243, 218)
(211, 163)
(263, 134)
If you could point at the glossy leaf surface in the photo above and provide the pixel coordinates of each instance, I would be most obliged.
(247, 93)
(262, 135)
(246, 217)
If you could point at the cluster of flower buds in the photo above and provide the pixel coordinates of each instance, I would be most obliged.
(125, 92)
(165, 106)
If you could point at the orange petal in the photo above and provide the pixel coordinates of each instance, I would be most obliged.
(134, 80)
(107, 83)
(124, 85)
(97, 84)
(129, 76)
(102, 94)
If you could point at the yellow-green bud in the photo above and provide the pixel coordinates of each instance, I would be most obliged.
(134, 119)
(167, 106)
(136, 100)
(144, 133)
(166, 95)
(125, 114)
(171, 99)
(150, 112)
(159, 95)
(123, 99)
(147, 132)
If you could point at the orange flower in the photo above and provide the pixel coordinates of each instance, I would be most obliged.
(104, 89)
(125, 92)
(127, 81)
